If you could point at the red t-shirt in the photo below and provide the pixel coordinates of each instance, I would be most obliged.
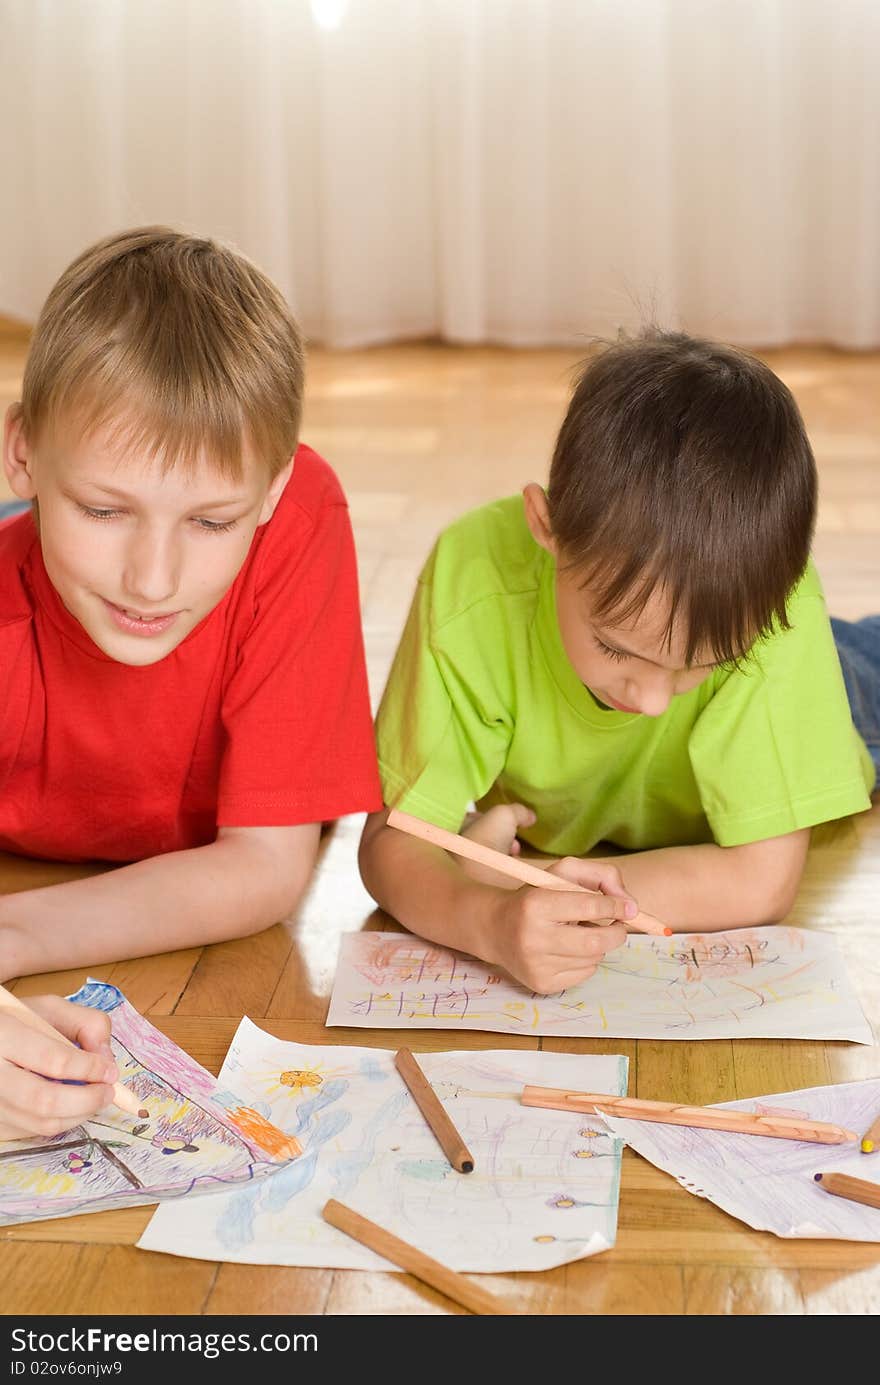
(260, 717)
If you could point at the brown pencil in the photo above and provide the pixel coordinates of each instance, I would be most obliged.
(506, 865)
(698, 1117)
(429, 1104)
(385, 1243)
(122, 1096)
(871, 1138)
(855, 1189)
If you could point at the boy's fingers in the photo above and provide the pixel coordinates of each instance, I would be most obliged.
(575, 906)
(32, 1050)
(39, 1103)
(78, 1023)
(592, 875)
(571, 943)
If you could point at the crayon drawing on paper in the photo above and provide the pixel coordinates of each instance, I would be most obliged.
(771, 982)
(542, 1192)
(195, 1136)
(769, 1183)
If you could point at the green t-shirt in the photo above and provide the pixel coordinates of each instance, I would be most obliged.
(482, 705)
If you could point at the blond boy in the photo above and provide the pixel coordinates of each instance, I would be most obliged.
(183, 680)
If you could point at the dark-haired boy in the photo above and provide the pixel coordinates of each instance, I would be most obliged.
(641, 656)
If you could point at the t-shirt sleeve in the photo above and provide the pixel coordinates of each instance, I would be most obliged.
(296, 712)
(775, 749)
(442, 729)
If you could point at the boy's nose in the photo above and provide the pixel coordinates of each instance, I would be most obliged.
(653, 698)
(151, 572)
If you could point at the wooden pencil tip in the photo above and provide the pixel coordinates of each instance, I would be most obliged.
(467, 1165)
(817, 1177)
(867, 1146)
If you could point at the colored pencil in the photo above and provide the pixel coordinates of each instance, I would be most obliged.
(122, 1096)
(700, 1117)
(429, 1104)
(506, 865)
(871, 1138)
(855, 1189)
(385, 1243)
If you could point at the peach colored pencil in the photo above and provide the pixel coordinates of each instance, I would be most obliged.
(844, 1185)
(122, 1096)
(871, 1138)
(700, 1117)
(385, 1243)
(432, 1109)
(505, 865)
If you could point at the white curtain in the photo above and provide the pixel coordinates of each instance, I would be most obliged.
(517, 171)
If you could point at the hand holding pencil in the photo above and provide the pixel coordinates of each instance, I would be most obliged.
(531, 932)
(51, 1038)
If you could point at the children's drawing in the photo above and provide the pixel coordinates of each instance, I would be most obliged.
(765, 1182)
(195, 1137)
(532, 1201)
(769, 982)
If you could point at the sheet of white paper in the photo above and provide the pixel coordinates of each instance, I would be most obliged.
(769, 1183)
(770, 982)
(543, 1191)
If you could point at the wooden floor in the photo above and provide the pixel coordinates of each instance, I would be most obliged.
(419, 434)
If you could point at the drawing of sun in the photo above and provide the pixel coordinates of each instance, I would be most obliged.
(300, 1078)
(300, 1082)
(589, 1134)
(582, 1153)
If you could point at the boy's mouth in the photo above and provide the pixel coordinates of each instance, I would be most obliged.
(618, 706)
(133, 623)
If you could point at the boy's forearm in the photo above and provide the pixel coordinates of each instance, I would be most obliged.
(228, 889)
(707, 887)
(427, 891)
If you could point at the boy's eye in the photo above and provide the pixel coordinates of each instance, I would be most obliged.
(94, 513)
(608, 651)
(216, 526)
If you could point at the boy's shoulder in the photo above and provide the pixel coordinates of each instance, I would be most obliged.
(313, 484)
(18, 536)
(487, 553)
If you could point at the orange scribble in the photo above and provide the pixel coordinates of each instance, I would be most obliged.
(255, 1127)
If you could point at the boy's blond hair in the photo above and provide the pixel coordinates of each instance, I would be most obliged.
(179, 344)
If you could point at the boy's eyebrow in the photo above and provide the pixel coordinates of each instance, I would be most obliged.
(619, 649)
(206, 505)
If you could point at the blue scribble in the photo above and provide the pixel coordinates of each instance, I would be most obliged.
(98, 995)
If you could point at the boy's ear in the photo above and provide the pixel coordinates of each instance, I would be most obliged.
(17, 456)
(538, 516)
(274, 493)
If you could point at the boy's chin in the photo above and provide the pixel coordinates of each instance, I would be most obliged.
(135, 652)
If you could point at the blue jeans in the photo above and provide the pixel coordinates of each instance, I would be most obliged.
(858, 647)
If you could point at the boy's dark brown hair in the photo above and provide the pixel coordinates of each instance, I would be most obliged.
(176, 342)
(684, 465)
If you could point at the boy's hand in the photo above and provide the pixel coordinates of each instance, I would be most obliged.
(532, 931)
(31, 1105)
